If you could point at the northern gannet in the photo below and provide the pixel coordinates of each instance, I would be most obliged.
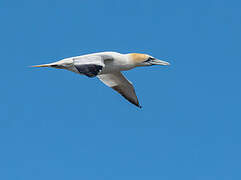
(107, 66)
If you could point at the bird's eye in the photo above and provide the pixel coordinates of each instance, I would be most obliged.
(149, 59)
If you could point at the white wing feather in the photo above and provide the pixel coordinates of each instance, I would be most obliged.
(120, 84)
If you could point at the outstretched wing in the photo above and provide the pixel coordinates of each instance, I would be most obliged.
(120, 84)
(89, 65)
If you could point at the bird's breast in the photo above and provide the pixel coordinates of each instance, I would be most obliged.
(114, 67)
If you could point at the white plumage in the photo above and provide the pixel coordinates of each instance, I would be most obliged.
(107, 66)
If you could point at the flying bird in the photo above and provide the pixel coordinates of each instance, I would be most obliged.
(107, 66)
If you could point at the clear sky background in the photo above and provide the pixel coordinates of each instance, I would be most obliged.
(59, 125)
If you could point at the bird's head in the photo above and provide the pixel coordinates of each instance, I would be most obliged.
(145, 60)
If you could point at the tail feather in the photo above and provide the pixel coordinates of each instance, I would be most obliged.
(42, 65)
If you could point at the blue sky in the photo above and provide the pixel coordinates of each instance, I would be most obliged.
(58, 125)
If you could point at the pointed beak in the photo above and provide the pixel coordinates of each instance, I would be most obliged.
(159, 62)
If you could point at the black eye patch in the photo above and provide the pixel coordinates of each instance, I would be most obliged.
(149, 59)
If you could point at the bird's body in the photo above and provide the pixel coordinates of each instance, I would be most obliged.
(107, 66)
(114, 62)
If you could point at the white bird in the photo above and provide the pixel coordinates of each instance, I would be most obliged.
(107, 66)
